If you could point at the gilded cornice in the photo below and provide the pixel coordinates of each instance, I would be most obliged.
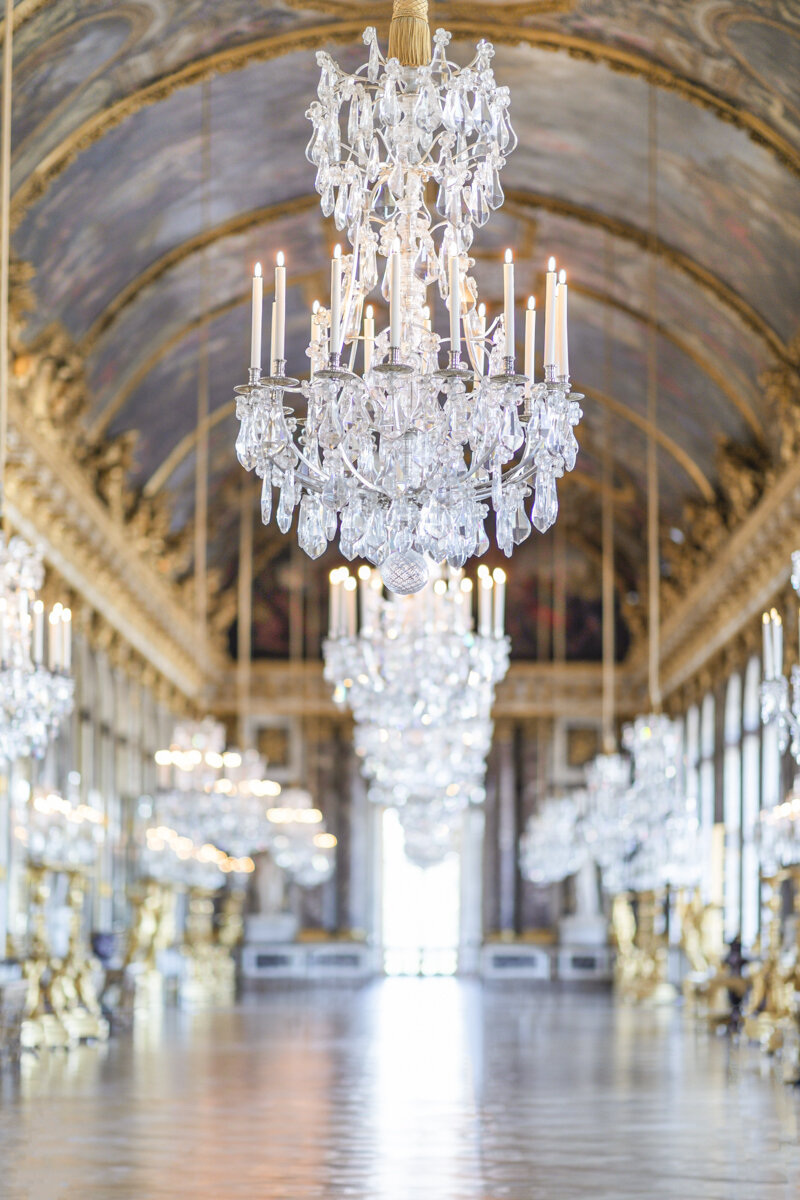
(50, 501)
(530, 691)
(349, 31)
(743, 578)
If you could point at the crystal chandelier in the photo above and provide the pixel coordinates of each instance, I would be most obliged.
(780, 697)
(778, 834)
(59, 833)
(416, 661)
(553, 846)
(430, 832)
(36, 687)
(420, 681)
(403, 458)
(298, 840)
(210, 815)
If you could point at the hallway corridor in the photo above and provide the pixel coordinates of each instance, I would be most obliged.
(405, 1090)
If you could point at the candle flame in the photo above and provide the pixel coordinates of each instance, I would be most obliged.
(257, 271)
(509, 256)
(370, 312)
(531, 302)
(499, 575)
(315, 306)
(396, 246)
(364, 571)
(66, 615)
(351, 583)
(280, 259)
(562, 276)
(551, 263)
(337, 251)
(38, 606)
(481, 310)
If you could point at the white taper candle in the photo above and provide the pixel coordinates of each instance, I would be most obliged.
(394, 296)
(508, 302)
(530, 339)
(550, 315)
(280, 306)
(562, 350)
(336, 300)
(256, 316)
(455, 304)
(369, 337)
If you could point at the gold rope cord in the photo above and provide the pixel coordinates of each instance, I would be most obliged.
(410, 33)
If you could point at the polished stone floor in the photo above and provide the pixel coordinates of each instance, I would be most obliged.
(403, 1090)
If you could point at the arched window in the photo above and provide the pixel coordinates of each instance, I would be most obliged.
(732, 807)
(706, 795)
(751, 799)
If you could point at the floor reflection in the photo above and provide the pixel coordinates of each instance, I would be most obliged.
(406, 1089)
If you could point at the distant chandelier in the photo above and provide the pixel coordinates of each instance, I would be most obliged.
(553, 846)
(420, 681)
(780, 696)
(405, 458)
(36, 687)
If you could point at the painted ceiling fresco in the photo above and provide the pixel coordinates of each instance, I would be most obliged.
(139, 255)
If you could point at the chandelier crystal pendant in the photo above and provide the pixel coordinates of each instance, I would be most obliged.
(37, 692)
(403, 458)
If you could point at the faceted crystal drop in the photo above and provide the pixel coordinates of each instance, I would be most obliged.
(481, 113)
(266, 498)
(328, 201)
(478, 208)
(374, 64)
(353, 121)
(245, 450)
(522, 526)
(453, 114)
(495, 195)
(374, 164)
(340, 211)
(383, 202)
(389, 107)
(365, 123)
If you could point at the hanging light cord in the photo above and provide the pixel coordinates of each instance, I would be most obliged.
(654, 573)
(607, 522)
(201, 454)
(5, 238)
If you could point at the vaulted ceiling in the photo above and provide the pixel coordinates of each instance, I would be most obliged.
(111, 212)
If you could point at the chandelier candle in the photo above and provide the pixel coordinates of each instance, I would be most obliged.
(780, 696)
(499, 579)
(280, 310)
(336, 301)
(550, 316)
(256, 318)
(455, 308)
(402, 464)
(530, 339)
(508, 297)
(562, 352)
(394, 297)
(369, 338)
(485, 588)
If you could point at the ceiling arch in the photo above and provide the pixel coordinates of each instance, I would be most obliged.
(108, 209)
